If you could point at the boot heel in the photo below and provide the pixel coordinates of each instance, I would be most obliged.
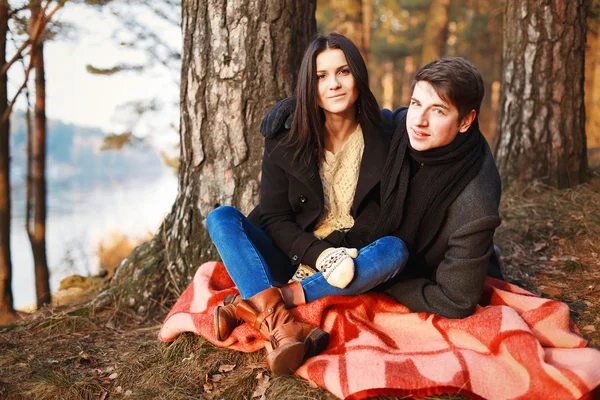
(286, 359)
(316, 342)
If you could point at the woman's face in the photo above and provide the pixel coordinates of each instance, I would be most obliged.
(335, 84)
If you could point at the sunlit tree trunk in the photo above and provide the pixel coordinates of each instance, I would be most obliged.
(541, 134)
(367, 21)
(592, 87)
(348, 20)
(37, 159)
(436, 31)
(409, 71)
(387, 83)
(6, 301)
(239, 57)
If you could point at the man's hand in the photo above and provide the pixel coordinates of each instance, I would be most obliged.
(278, 118)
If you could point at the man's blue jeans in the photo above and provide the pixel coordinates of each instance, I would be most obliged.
(249, 256)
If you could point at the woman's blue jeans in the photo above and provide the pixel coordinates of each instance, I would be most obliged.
(249, 256)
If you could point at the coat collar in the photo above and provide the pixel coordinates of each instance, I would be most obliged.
(375, 153)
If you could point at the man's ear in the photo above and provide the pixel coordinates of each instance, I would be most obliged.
(466, 122)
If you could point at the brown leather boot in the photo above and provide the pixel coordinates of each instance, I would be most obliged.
(225, 319)
(266, 311)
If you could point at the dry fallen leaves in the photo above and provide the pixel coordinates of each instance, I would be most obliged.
(552, 291)
(227, 367)
(262, 386)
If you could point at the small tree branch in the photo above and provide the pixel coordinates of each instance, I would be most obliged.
(12, 102)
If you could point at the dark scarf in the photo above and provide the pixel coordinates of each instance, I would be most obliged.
(413, 205)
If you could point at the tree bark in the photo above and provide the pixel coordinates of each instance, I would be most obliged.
(37, 160)
(436, 31)
(6, 300)
(592, 85)
(541, 134)
(239, 57)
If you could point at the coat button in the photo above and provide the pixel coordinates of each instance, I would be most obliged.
(303, 199)
(295, 258)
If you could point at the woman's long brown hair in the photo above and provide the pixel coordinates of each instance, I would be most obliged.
(307, 132)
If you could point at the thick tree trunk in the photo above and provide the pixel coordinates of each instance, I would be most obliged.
(6, 300)
(541, 134)
(37, 160)
(436, 31)
(239, 57)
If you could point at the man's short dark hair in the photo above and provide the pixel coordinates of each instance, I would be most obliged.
(456, 81)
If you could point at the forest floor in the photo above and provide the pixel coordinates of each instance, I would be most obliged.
(550, 243)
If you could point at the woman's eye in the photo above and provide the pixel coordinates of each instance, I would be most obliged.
(344, 71)
(320, 76)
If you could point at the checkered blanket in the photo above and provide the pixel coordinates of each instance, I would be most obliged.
(515, 346)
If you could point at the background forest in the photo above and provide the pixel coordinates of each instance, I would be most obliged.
(114, 184)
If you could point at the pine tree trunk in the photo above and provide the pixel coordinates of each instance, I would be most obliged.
(239, 57)
(6, 300)
(436, 31)
(541, 134)
(592, 86)
(37, 232)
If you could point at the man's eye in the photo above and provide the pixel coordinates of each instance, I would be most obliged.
(414, 103)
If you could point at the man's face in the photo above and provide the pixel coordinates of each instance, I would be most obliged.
(432, 122)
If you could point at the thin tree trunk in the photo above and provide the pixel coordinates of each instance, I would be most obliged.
(592, 88)
(541, 134)
(348, 21)
(367, 21)
(436, 31)
(6, 301)
(387, 82)
(409, 71)
(37, 233)
(239, 58)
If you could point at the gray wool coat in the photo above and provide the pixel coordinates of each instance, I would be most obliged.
(449, 279)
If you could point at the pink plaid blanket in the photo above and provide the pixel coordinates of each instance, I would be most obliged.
(515, 346)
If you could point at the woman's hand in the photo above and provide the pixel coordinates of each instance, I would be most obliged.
(337, 265)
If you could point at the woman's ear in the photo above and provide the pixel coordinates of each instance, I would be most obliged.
(466, 122)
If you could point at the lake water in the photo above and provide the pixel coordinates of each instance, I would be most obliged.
(79, 219)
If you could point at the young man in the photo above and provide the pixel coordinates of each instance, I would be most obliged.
(440, 192)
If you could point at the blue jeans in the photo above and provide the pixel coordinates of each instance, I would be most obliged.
(250, 258)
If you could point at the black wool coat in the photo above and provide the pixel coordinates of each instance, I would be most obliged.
(291, 199)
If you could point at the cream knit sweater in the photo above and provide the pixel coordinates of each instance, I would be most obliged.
(339, 176)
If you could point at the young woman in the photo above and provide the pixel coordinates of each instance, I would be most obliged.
(319, 197)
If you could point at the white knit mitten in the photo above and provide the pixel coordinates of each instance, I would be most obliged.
(337, 266)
